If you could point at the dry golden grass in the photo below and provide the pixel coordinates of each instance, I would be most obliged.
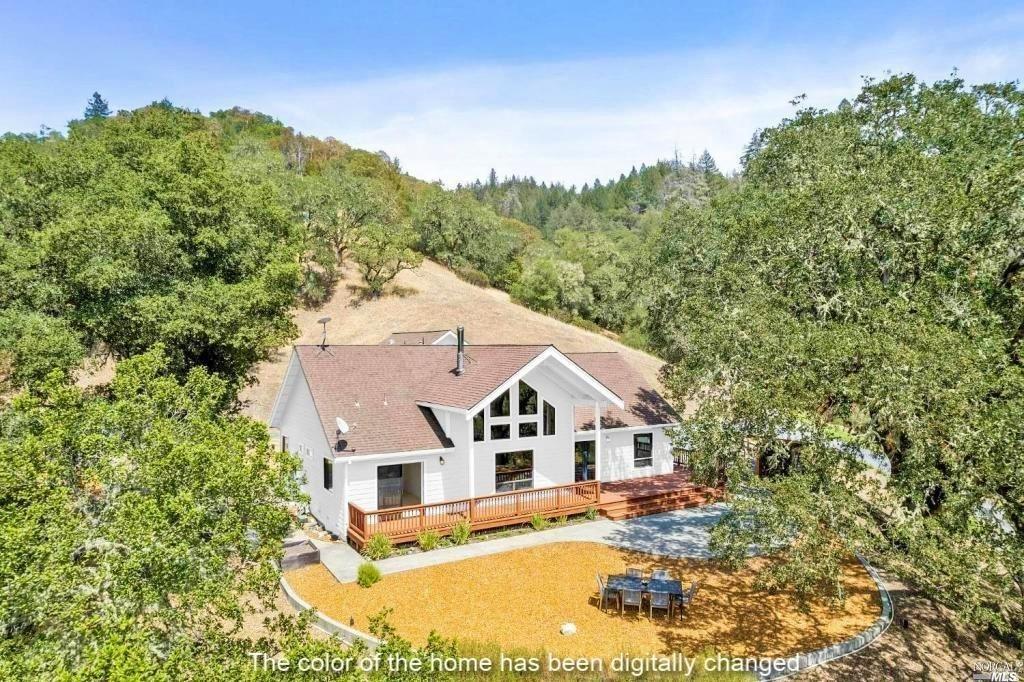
(521, 598)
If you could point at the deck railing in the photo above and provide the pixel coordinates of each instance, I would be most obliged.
(403, 524)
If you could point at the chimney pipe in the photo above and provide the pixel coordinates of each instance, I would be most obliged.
(460, 357)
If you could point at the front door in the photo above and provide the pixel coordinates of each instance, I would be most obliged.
(584, 460)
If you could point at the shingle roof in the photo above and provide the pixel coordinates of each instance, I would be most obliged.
(426, 338)
(376, 390)
(643, 405)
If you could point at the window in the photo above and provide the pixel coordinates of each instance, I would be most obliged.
(549, 420)
(500, 406)
(642, 449)
(513, 470)
(527, 399)
(501, 431)
(390, 482)
(528, 429)
(328, 473)
(478, 426)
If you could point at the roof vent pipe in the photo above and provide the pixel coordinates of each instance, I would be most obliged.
(460, 357)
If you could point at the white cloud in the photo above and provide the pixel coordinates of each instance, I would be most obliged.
(574, 121)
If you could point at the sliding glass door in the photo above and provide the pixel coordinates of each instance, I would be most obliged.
(585, 470)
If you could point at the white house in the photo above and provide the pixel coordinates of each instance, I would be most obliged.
(424, 429)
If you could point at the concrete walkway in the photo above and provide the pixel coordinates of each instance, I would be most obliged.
(676, 534)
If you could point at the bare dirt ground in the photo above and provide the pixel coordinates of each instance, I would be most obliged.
(925, 642)
(431, 297)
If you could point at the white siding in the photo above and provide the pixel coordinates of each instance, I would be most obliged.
(297, 419)
(552, 455)
(355, 478)
(617, 453)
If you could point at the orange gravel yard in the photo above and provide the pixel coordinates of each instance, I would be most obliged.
(521, 598)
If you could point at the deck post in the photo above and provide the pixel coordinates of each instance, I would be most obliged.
(597, 440)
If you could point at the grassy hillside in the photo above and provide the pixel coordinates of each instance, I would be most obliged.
(431, 297)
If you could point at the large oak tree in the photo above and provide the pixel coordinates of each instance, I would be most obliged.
(864, 288)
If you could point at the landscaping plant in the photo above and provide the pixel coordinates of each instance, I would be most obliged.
(378, 547)
(461, 532)
(368, 574)
(539, 522)
(428, 540)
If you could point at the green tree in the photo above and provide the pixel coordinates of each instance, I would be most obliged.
(865, 279)
(97, 107)
(138, 229)
(145, 522)
(447, 223)
(706, 164)
(549, 284)
(35, 345)
(383, 251)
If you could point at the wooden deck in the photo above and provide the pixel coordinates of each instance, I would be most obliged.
(404, 524)
(616, 500)
(653, 494)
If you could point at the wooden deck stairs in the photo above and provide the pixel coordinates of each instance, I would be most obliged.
(653, 495)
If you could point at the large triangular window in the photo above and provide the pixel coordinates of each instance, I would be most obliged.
(527, 399)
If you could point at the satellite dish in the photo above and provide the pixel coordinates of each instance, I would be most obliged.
(323, 341)
(342, 425)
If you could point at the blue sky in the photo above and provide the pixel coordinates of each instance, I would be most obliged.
(561, 91)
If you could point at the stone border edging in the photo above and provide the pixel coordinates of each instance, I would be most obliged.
(325, 624)
(812, 659)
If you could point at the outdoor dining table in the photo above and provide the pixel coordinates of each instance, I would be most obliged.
(626, 582)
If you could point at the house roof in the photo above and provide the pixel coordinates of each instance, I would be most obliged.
(426, 338)
(382, 391)
(643, 405)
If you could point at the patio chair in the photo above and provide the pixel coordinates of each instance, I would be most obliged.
(660, 574)
(634, 572)
(661, 600)
(604, 594)
(631, 598)
(686, 598)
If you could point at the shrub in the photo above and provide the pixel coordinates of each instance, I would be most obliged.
(473, 276)
(428, 540)
(378, 547)
(460, 533)
(562, 520)
(368, 574)
(591, 513)
(539, 522)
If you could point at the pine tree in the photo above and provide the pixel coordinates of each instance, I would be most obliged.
(706, 164)
(97, 107)
(752, 148)
(492, 179)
